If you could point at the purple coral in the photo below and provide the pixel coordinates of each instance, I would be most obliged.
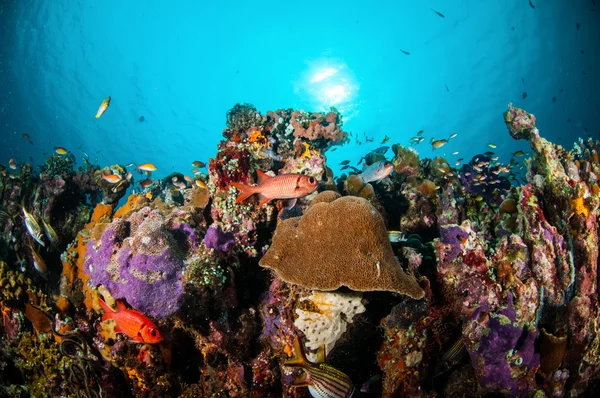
(505, 352)
(218, 239)
(139, 260)
(453, 237)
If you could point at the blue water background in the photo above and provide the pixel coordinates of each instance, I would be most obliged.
(183, 64)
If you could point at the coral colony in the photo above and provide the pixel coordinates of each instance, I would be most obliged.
(434, 281)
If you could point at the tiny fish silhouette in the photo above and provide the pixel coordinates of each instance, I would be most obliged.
(440, 14)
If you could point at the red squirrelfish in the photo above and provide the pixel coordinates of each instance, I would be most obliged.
(285, 186)
(132, 323)
(377, 171)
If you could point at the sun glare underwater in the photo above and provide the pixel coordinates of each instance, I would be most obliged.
(326, 199)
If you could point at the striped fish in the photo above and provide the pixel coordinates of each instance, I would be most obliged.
(451, 357)
(33, 227)
(51, 234)
(322, 380)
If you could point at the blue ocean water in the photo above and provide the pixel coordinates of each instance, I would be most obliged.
(182, 65)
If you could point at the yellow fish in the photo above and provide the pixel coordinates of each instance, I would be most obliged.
(438, 143)
(103, 107)
(60, 150)
(201, 184)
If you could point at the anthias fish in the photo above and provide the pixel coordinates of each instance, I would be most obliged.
(112, 178)
(285, 186)
(323, 381)
(103, 107)
(377, 171)
(60, 150)
(133, 323)
(146, 183)
(146, 167)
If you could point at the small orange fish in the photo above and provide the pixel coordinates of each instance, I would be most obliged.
(60, 150)
(12, 164)
(103, 107)
(188, 179)
(25, 135)
(201, 184)
(284, 186)
(146, 167)
(146, 183)
(132, 323)
(112, 178)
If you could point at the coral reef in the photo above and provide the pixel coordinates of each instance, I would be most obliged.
(470, 281)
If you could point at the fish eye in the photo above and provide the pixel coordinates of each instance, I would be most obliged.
(153, 332)
(311, 180)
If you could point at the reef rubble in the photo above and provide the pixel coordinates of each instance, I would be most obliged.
(436, 281)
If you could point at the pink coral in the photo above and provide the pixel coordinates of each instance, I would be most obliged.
(318, 125)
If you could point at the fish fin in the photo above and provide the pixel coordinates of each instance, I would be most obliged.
(263, 199)
(245, 191)
(139, 338)
(321, 354)
(262, 176)
(290, 203)
(299, 359)
(107, 310)
(120, 306)
(118, 329)
(301, 380)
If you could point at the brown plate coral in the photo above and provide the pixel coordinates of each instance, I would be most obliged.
(341, 243)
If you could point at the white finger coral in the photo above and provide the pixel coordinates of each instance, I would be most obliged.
(325, 317)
